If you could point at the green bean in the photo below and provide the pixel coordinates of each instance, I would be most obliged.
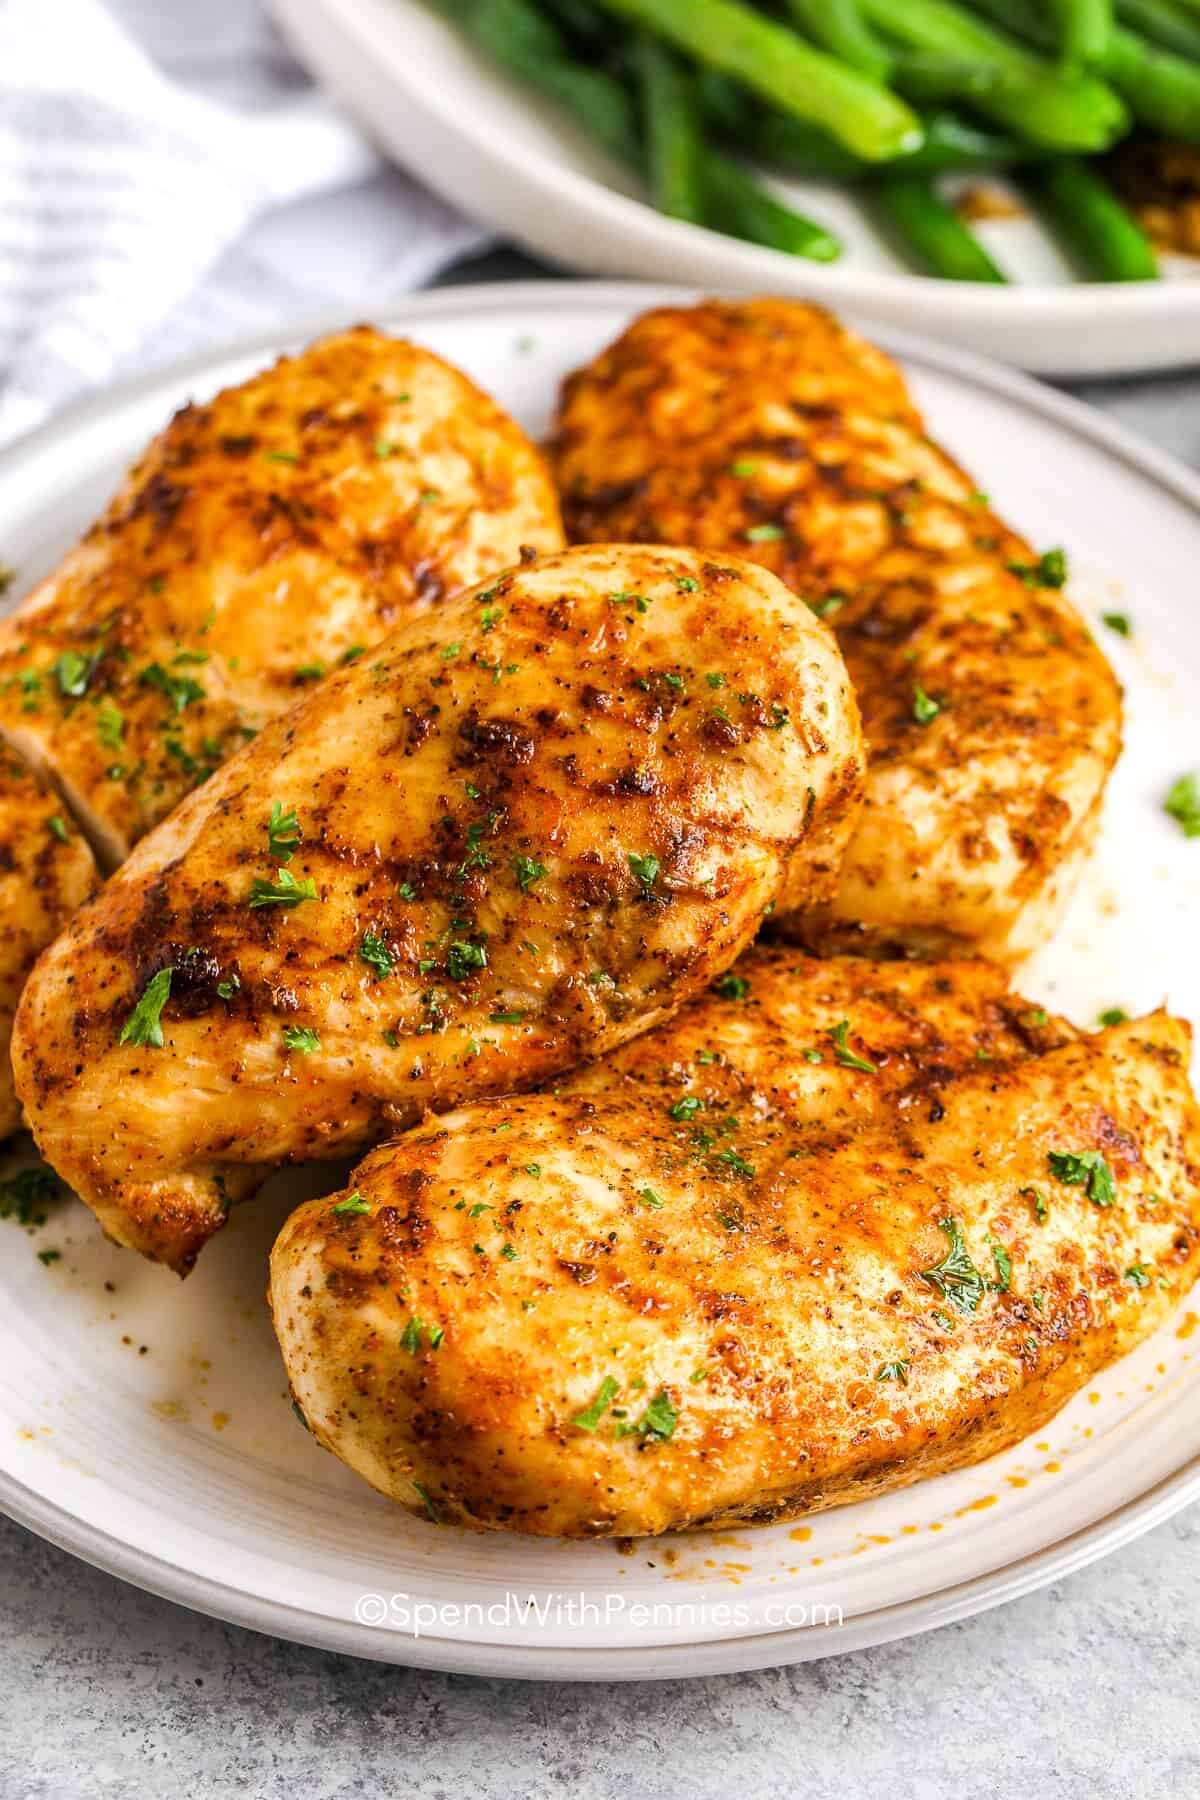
(782, 68)
(671, 131)
(951, 144)
(1164, 24)
(932, 231)
(839, 27)
(1086, 213)
(1161, 89)
(742, 207)
(1028, 94)
(1082, 28)
(525, 41)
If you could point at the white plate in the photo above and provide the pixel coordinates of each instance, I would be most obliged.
(515, 161)
(183, 1468)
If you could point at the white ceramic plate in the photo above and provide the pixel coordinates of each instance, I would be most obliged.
(515, 161)
(182, 1468)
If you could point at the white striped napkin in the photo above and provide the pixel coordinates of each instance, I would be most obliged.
(168, 178)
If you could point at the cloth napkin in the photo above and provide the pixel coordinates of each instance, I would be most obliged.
(169, 178)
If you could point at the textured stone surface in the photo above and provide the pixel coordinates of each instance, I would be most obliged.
(1086, 1691)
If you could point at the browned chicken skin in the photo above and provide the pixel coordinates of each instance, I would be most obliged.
(733, 1274)
(262, 538)
(46, 874)
(992, 720)
(513, 836)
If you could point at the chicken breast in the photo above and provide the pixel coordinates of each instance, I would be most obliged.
(46, 874)
(509, 839)
(620, 1309)
(992, 719)
(263, 538)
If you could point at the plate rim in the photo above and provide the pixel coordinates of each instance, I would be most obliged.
(207, 1594)
(1028, 303)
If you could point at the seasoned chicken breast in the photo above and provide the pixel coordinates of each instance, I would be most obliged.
(46, 873)
(515, 835)
(622, 1308)
(992, 719)
(263, 538)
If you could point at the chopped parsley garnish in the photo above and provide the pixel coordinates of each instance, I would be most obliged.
(411, 1337)
(110, 726)
(56, 825)
(1050, 570)
(1137, 1276)
(1113, 1015)
(353, 1204)
(46, 1257)
(25, 1195)
(686, 1107)
(228, 988)
(283, 834)
(645, 868)
(528, 872)
(893, 1371)
(302, 1038)
(649, 1198)
(924, 709)
(733, 987)
(180, 690)
(533, 1169)
(1034, 1018)
(768, 533)
(1087, 1169)
(435, 1516)
(406, 891)
(744, 468)
(715, 680)
(465, 960)
(1041, 1211)
(436, 1335)
(1003, 1262)
(73, 671)
(516, 1017)
(590, 1417)
(956, 1278)
(143, 1024)
(490, 617)
(842, 1052)
(375, 953)
(508, 1253)
(733, 1161)
(1183, 804)
(1118, 622)
(659, 1419)
(280, 456)
(286, 891)
(383, 448)
(687, 584)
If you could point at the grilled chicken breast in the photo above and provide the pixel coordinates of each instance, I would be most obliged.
(623, 1308)
(512, 837)
(992, 719)
(262, 538)
(46, 874)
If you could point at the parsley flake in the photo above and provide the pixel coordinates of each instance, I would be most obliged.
(528, 872)
(375, 953)
(956, 1278)
(842, 1052)
(283, 834)
(1088, 1170)
(143, 1025)
(301, 1038)
(893, 1371)
(286, 891)
(353, 1204)
(1183, 804)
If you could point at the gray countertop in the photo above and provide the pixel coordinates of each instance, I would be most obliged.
(1087, 1689)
